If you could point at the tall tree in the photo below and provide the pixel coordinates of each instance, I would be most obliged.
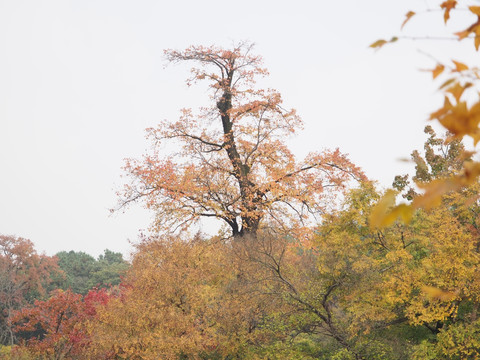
(232, 163)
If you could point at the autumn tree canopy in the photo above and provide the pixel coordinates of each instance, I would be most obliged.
(459, 113)
(366, 287)
(24, 275)
(232, 163)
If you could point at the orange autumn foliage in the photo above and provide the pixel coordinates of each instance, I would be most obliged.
(24, 275)
(232, 163)
(182, 298)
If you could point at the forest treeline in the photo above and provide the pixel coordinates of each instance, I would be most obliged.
(406, 291)
(28, 278)
(311, 260)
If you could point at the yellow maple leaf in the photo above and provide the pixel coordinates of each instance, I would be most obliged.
(463, 34)
(448, 5)
(457, 90)
(378, 44)
(385, 212)
(438, 70)
(408, 17)
(436, 293)
(460, 66)
(475, 10)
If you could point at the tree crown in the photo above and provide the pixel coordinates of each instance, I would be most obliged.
(233, 164)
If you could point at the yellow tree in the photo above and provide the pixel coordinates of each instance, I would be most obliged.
(459, 113)
(454, 297)
(390, 283)
(423, 274)
(183, 299)
(232, 163)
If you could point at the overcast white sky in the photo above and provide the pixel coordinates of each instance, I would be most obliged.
(81, 80)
